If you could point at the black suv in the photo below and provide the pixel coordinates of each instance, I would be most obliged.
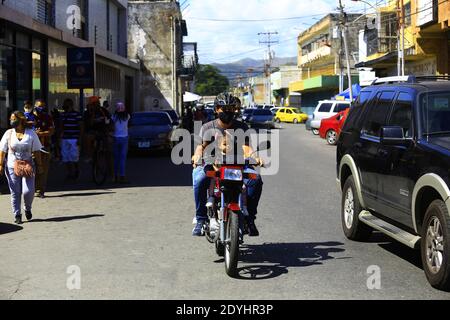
(393, 168)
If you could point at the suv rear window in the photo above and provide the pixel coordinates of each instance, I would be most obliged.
(325, 107)
(377, 114)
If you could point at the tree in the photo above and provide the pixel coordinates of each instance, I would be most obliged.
(209, 81)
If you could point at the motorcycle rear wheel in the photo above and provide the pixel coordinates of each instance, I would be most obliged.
(232, 245)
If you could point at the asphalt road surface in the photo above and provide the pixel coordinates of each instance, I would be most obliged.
(134, 242)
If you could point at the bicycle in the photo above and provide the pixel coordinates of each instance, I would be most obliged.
(100, 163)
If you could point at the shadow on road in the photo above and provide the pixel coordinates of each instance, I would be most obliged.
(80, 194)
(8, 228)
(271, 260)
(143, 170)
(68, 218)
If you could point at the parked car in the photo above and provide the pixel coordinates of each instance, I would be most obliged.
(290, 115)
(393, 160)
(174, 116)
(246, 113)
(326, 109)
(330, 128)
(150, 130)
(274, 110)
(261, 118)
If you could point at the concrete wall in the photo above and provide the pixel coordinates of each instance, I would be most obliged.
(97, 12)
(150, 43)
(24, 6)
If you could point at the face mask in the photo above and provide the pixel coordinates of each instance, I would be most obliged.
(226, 117)
(14, 123)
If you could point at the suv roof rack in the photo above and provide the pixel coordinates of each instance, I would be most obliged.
(389, 80)
(409, 79)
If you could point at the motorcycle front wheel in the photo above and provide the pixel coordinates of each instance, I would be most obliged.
(232, 244)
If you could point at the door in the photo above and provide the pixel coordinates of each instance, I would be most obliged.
(282, 114)
(369, 159)
(289, 116)
(397, 177)
(129, 94)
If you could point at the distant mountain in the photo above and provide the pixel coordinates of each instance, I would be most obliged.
(250, 67)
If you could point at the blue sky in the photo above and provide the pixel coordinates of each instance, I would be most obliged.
(228, 41)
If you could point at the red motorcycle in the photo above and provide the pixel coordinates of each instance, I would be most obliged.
(227, 222)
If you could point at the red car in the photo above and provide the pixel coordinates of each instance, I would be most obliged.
(330, 128)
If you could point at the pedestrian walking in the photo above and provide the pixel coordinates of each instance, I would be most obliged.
(45, 128)
(120, 120)
(31, 118)
(71, 132)
(24, 161)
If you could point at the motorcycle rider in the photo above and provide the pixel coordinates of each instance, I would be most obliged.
(226, 106)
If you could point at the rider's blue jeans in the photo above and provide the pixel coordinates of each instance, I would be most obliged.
(201, 183)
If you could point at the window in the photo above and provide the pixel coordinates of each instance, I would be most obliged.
(46, 12)
(402, 113)
(325, 107)
(407, 10)
(377, 114)
(288, 111)
(356, 110)
(341, 107)
(283, 110)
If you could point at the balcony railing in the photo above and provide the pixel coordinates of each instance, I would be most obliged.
(315, 55)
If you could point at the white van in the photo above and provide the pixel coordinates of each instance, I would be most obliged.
(326, 109)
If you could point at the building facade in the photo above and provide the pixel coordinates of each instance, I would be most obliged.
(34, 37)
(424, 40)
(321, 59)
(156, 31)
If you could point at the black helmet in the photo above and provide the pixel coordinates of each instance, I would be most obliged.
(227, 99)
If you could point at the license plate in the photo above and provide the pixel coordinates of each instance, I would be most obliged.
(145, 144)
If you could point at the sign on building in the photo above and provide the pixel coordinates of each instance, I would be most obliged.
(80, 68)
(426, 12)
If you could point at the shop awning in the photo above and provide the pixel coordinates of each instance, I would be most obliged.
(191, 97)
(356, 89)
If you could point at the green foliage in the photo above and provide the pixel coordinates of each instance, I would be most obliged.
(209, 81)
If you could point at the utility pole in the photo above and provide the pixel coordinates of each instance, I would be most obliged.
(268, 66)
(343, 21)
(401, 38)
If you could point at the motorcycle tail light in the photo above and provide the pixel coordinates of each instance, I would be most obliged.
(232, 174)
(252, 176)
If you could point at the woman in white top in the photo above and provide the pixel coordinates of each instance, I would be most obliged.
(20, 143)
(120, 120)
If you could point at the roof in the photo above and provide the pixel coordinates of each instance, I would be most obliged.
(419, 86)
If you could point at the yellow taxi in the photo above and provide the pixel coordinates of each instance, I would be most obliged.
(288, 114)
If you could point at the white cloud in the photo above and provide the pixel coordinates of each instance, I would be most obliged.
(229, 41)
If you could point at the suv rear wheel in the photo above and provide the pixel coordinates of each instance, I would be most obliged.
(353, 228)
(315, 131)
(435, 245)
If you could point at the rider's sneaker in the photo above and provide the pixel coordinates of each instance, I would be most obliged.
(198, 229)
(252, 230)
(244, 211)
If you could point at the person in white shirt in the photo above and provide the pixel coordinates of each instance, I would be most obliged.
(22, 144)
(120, 120)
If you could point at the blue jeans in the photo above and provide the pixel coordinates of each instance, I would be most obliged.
(20, 186)
(120, 155)
(201, 184)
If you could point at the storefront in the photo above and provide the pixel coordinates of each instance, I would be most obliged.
(34, 66)
(22, 69)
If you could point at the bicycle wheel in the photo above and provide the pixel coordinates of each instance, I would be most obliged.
(100, 167)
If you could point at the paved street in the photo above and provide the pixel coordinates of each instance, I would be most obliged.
(135, 242)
